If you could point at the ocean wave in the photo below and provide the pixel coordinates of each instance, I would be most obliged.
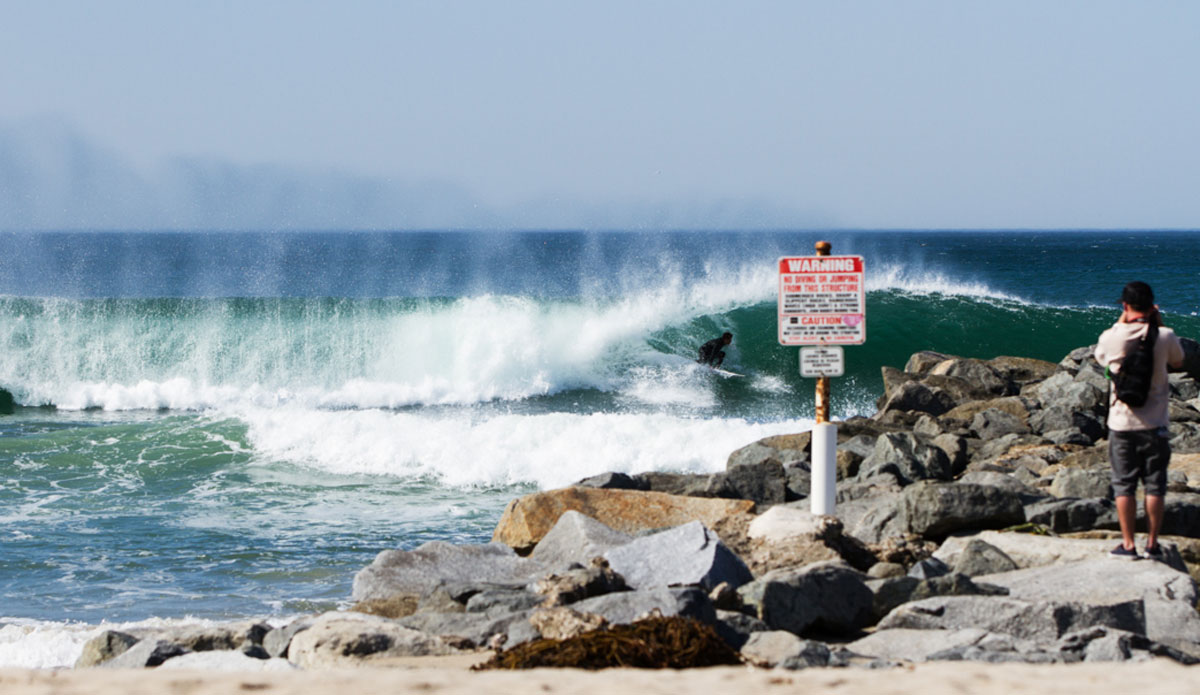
(465, 449)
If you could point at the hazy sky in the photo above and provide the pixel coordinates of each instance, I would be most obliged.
(856, 114)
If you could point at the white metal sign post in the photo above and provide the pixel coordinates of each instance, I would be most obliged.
(822, 304)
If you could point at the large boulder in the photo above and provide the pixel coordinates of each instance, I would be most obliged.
(912, 396)
(788, 536)
(829, 597)
(783, 448)
(528, 519)
(976, 372)
(437, 562)
(1022, 370)
(1168, 595)
(685, 555)
(765, 483)
(576, 538)
(625, 607)
(906, 457)
(1070, 515)
(933, 509)
(1038, 621)
(341, 640)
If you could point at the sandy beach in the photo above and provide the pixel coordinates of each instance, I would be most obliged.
(1160, 676)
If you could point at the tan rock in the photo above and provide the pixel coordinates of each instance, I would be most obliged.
(348, 640)
(1009, 404)
(527, 519)
(1189, 465)
(563, 622)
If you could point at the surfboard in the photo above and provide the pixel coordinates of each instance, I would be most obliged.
(726, 372)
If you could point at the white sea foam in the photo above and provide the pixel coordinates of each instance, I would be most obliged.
(40, 644)
(549, 450)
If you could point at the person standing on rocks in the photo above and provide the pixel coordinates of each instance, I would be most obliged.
(1138, 447)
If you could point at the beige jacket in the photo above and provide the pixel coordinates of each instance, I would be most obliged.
(1113, 345)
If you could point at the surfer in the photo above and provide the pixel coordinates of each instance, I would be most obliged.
(711, 352)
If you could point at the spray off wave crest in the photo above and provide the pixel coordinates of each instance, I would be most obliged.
(340, 353)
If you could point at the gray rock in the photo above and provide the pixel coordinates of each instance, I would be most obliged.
(1183, 387)
(913, 644)
(1077, 358)
(1037, 621)
(782, 649)
(869, 486)
(573, 585)
(684, 484)
(798, 480)
(576, 538)
(104, 646)
(1168, 596)
(998, 447)
(916, 397)
(437, 562)
(1181, 516)
(928, 568)
(764, 482)
(1081, 483)
(735, 627)
(956, 450)
(993, 424)
(890, 593)
(902, 455)
(613, 481)
(497, 603)
(975, 372)
(222, 636)
(1063, 390)
(461, 629)
(785, 450)
(1056, 416)
(277, 641)
(825, 596)
(1109, 644)
(684, 555)
(627, 606)
(935, 509)
(921, 363)
(873, 519)
(1069, 436)
(1022, 370)
(981, 557)
(1025, 492)
(339, 640)
(146, 653)
(1185, 438)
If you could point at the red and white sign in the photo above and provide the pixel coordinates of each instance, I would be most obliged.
(822, 300)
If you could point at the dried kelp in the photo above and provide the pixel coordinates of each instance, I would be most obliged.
(672, 642)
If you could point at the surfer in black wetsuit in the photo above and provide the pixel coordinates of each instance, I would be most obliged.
(711, 352)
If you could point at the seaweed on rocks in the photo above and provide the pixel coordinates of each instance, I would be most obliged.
(657, 642)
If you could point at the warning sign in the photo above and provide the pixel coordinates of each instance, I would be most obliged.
(822, 361)
(822, 301)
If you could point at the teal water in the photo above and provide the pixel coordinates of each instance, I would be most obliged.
(226, 425)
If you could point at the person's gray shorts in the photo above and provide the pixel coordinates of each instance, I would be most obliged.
(1139, 455)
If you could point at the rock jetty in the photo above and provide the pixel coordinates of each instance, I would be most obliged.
(973, 522)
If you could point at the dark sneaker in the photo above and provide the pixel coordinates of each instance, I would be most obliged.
(1124, 553)
(1154, 553)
